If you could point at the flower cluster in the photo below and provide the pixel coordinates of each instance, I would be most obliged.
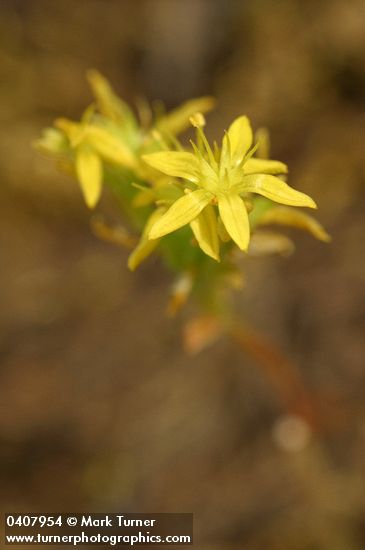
(198, 204)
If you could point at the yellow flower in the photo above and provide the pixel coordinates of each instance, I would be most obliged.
(222, 178)
(114, 136)
(92, 145)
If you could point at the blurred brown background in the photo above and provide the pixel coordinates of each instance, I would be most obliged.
(100, 408)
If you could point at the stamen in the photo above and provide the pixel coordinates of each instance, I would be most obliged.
(249, 155)
(217, 152)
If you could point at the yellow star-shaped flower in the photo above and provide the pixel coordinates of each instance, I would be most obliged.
(221, 178)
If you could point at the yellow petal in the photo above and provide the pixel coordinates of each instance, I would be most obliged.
(88, 114)
(118, 235)
(235, 218)
(238, 139)
(259, 166)
(109, 146)
(177, 120)
(109, 103)
(73, 130)
(282, 215)
(175, 163)
(145, 246)
(264, 243)
(274, 189)
(262, 137)
(182, 212)
(205, 231)
(89, 173)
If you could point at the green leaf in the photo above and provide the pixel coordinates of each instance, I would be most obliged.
(275, 189)
(282, 215)
(182, 212)
(175, 163)
(204, 227)
(89, 173)
(238, 140)
(145, 246)
(235, 218)
(259, 166)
